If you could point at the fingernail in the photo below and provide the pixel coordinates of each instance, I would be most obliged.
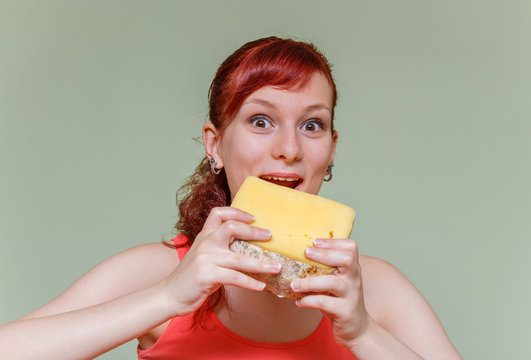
(310, 251)
(273, 266)
(298, 302)
(295, 285)
(318, 242)
(266, 233)
(261, 286)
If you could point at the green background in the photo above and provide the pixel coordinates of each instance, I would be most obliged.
(100, 102)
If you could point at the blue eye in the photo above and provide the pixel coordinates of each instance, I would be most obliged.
(313, 125)
(261, 121)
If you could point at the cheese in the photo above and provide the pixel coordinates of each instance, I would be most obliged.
(294, 217)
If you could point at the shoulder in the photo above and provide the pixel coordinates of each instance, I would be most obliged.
(398, 306)
(380, 274)
(128, 271)
(134, 268)
(155, 257)
(385, 287)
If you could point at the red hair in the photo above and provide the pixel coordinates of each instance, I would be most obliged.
(270, 61)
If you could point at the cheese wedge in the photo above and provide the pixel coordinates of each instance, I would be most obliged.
(294, 217)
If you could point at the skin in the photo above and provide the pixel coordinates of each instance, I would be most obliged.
(374, 310)
(277, 130)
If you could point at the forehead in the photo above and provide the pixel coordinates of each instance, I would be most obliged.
(316, 91)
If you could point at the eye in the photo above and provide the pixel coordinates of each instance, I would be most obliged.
(313, 125)
(261, 121)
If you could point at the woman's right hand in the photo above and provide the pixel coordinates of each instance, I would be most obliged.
(209, 263)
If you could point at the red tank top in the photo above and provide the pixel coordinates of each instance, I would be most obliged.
(215, 341)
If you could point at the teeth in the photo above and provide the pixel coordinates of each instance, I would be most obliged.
(279, 178)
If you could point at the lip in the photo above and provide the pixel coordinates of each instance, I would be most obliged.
(287, 175)
(284, 175)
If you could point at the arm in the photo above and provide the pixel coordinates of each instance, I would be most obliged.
(374, 309)
(401, 318)
(114, 302)
(133, 295)
(84, 333)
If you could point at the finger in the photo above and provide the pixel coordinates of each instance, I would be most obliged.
(236, 278)
(219, 215)
(331, 257)
(249, 264)
(328, 304)
(336, 243)
(233, 229)
(321, 284)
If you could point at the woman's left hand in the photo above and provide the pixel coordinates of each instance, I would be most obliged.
(344, 304)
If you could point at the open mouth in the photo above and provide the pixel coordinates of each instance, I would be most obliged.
(283, 181)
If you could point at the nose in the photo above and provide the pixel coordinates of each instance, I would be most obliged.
(287, 146)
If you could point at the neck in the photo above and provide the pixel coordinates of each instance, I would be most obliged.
(261, 316)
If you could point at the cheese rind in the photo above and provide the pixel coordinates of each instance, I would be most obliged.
(294, 217)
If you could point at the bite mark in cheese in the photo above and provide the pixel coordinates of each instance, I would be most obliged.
(294, 217)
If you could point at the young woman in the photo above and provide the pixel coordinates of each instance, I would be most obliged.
(271, 115)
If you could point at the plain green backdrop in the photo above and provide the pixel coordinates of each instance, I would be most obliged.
(100, 102)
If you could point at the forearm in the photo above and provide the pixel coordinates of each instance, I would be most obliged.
(85, 333)
(377, 343)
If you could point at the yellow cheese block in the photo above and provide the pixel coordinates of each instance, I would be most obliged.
(294, 217)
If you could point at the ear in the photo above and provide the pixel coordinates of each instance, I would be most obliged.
(334, 139)
(211, 139)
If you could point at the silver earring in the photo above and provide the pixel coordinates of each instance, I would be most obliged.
(213, 169)
(328, 175)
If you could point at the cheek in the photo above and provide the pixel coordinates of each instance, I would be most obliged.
(240, 160)
(319, 158)
(242, 153)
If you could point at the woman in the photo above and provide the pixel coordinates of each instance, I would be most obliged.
(271, 111)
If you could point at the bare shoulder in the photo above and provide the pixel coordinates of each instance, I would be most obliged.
(398, 306)
(380, 275)
(128, 271)
(385, 287)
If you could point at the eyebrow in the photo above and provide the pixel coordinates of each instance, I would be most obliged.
(260, 101)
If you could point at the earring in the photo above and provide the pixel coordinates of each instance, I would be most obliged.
(328, 175)
(213, 169)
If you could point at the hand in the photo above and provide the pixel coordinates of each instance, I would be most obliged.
(209, 263)
(342, 301)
